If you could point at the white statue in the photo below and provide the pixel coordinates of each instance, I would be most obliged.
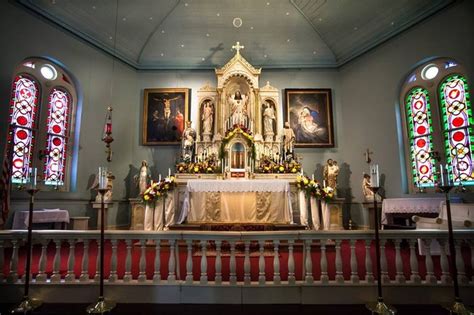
(238, 105)
(288, 138)
(331, 170)
(268, 118)
(143, 177)
(207, 117)
(189, 138)
(366, 191)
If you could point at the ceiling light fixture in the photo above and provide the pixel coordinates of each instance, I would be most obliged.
(207, 34)
(218, 14)
(237, 22)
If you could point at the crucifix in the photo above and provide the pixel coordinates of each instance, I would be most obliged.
(238, 47)
(367, 156)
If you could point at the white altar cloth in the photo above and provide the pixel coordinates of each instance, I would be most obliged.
(237, 201)
(20, 219)
(410, 205)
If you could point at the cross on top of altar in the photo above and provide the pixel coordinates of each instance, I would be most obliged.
(238, 47)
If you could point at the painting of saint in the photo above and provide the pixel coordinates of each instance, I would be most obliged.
(164, 115)
(309, 112)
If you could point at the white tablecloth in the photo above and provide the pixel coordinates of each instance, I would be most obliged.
(20, 220)
(237, 201)
(410, 205)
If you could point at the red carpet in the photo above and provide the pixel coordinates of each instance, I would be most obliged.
(150, 256)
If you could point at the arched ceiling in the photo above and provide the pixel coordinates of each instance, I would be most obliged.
(193, 34)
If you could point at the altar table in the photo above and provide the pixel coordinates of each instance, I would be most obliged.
(20, 220)
(237, 201)
(409, 206)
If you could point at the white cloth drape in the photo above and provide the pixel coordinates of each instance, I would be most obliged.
(154, 214)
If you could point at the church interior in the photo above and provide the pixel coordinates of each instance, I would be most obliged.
(254, 156)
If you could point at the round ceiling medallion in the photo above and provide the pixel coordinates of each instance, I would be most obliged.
(237, 22)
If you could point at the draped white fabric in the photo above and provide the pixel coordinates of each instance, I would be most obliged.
(155, 214)
(409, 205)
(237, 201)
(20, 220)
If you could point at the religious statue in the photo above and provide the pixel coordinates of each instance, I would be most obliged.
(143, 177)
(366, 191)
(238, 105)
(331, 170)
(188, 142)
(207, 117)
(268, 118)
(288, 139)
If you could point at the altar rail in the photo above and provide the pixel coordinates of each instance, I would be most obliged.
(235, 259)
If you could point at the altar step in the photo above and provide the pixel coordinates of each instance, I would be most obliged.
(236, 227)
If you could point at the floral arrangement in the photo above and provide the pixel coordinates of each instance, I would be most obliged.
(208, 165)
(267, 165)
(157, 190)
(237, 129)
(313, 188)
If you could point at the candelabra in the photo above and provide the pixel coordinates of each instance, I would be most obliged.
(102, 305)
(28, 304)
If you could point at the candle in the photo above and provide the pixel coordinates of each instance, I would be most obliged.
(169, 172)
(102, 177)
(377, 174)
(441, 174)
(302, 172)
(324, 183)
(159, 178)
(312, 176)
(33, 174)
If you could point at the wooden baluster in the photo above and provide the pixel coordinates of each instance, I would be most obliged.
(218, 263)
(142, 262)
(157, 272)
(203, 279)
(369, 273)
(383, 262)
(84, 277)
(13, 275)
(430, 277)
(71, 261)
(400, 277)
(261, 263)
(291, 263)
(276, 262)
(113, 277)
(443, 260)
(41, 277)
(56, 276)
(247, 263)
(127, 277)
(324, 263)
(354, 271)
(172, 263)
(462, 278)
(97, 263)
(189, 262)
(339, 275)
(232, 264)
(2, 261)
(308, 264)
(415, 275)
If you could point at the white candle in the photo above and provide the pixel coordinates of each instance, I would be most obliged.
(312, 176)
(102, 177)
(169, 172)
(302, 171)
(377, 174)
(441, 174)
(159, 178)
(34, 173)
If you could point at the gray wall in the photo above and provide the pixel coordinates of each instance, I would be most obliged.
(365, 95)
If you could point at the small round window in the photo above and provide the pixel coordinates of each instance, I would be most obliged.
(48, 72)
(429, 72)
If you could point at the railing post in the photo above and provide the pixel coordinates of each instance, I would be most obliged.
(247, 263)
(415, 275)
(276, 263)
(128, 262)
(383, 262)
(462, 278)
(430, 277)
(354, 271)
(309, 279)
(232, 264)
(291, 263)
(56, 276)
(157, 272)
(444, 264)
(41, 277)
(218, 263)
(113, 277)
(400, 277)
(172, 263)
(71, 261)
(339, 275)
(189, 262)
(261, 263)
(369, 273)
(324, 263)
(13, 275)
(142, 262)
(84, 277)
(203, 278)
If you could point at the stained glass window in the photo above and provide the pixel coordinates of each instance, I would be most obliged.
(457, 122)
(23, 111)
(420, 132)
(59, 104)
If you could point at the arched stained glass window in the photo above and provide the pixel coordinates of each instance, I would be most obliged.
(420, 133)
(23, 112)
(59, 104)
(457, 121)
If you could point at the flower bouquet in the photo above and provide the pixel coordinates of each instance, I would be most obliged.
(159, 189)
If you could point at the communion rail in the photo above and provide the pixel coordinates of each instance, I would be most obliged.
(237, 267)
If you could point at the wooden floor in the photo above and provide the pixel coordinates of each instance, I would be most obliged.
(199, 309)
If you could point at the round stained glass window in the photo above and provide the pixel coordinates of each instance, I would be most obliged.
(429, 72)
(48, 72)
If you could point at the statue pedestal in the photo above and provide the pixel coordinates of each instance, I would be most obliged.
(368, 215)
(138, 214)
(107, 206)
(333, 211)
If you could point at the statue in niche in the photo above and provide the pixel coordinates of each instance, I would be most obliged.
(288, 139)
(207, 117)
(238, 106)
(366, 191)
(143, 177)
(268, 121)
(188, 142)
(330, 173)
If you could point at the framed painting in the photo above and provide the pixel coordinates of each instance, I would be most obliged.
(164, 114)
(309, 112)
